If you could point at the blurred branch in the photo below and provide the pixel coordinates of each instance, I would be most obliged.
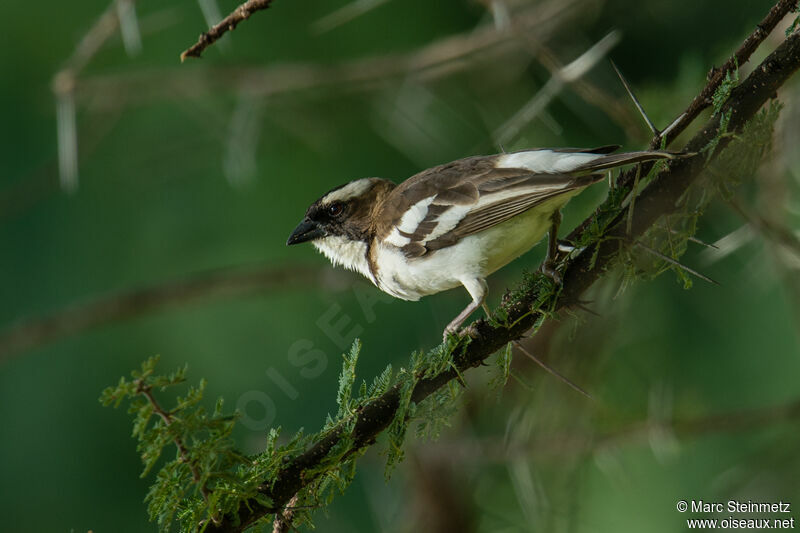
(743, 420)
(572, 442)
(438, 59)
(94, 39)
(567, 74)
(119, 15)
(129, 26)
(657, 199)
(345, 14)
(63, 87)
(225, 283)
(771, 230)
(227, 24)
(439, 502)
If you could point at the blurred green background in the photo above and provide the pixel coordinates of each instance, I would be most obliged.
(191, 176)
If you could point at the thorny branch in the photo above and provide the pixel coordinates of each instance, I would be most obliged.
(227, 24)
(715, 78)
(657, 199)
(569, 443)
(717, 75)
(703, 100)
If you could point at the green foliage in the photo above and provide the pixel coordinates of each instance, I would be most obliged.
(537, 283)
(741, 159)
(721, 178)
(434, 413)
(604, 217)
(396, 433)
(737, 163)
(434, 410)
(381, 383)
(793, 26)
(196, 484)
(718, 100)
(795, 23)
(711, 147)
(209, 479)
(346, 380)
(723, 92)
(503, 363)
(335, 472)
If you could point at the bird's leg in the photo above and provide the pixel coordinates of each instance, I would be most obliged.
(549, 265)
(477, 288)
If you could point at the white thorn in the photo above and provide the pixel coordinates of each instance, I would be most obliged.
(129, 27)
(67, 141)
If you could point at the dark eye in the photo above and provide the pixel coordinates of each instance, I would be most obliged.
(335, 209)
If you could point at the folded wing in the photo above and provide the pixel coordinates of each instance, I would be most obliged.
(442, 205)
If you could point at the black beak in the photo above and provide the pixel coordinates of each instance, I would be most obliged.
(307, 230)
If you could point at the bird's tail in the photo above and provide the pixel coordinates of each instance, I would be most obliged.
(627, 158)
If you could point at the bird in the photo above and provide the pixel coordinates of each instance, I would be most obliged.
(455, 224)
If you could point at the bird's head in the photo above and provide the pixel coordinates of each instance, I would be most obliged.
(346, 212)
(341, 223)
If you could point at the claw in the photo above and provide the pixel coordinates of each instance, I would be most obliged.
(450, 331)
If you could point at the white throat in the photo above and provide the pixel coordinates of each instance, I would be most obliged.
(346, 252)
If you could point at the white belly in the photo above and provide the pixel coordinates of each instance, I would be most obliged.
(472, 257)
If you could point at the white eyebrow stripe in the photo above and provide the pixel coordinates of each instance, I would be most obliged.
(415, 214)
(546, 161)
(351, 190)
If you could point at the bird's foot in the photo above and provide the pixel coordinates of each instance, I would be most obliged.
(455, 335)
(549, 270)
(448, 331)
